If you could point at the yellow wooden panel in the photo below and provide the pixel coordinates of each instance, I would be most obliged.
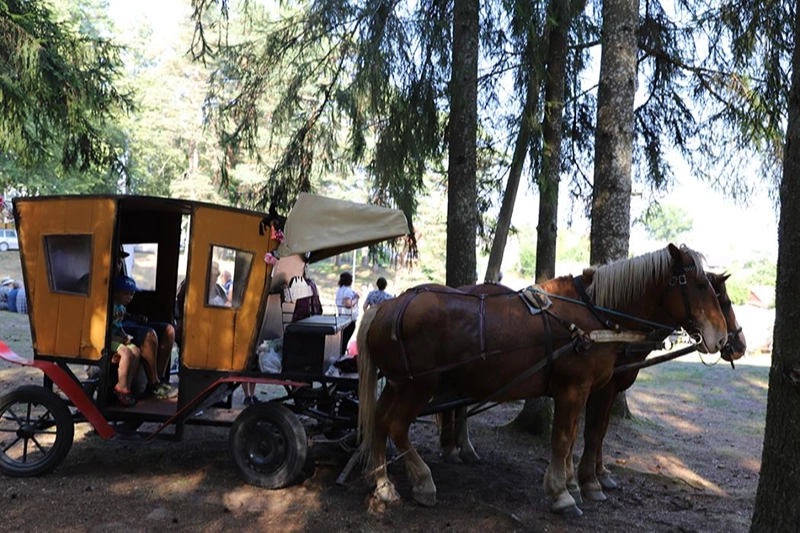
(65, 324)
(221, 338)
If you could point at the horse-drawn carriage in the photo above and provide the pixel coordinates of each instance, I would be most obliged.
(72, 249)
(571, 338)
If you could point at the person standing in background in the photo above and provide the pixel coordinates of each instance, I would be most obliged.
(378, 295)
(347, 305)
(5, 287)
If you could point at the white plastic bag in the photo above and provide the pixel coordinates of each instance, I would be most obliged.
(270, 355)
(300, 288)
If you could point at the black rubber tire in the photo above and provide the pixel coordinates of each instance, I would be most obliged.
(3, 246)
(269, 445)
(36, 431)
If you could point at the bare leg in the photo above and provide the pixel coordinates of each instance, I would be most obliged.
(149, 351)
(249, 389)
(128, 364)
(165, 344)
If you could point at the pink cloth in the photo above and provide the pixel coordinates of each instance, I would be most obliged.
(352, 349)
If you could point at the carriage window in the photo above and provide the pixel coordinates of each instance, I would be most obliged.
(142, 264)
(69, 263)
(227, 276)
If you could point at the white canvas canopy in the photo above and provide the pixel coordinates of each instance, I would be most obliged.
(325, 227)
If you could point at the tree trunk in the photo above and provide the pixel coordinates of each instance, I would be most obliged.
(777, 499)
(611, 197)
(529, 113)
(536, 416)
(613, 145)
(552, 130)
(462, 212)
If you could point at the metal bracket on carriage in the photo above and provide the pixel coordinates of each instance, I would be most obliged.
(535, 299)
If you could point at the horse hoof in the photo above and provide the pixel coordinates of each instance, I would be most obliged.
(576, 495)
(386, 493)
(426, 499)
(470, 457)
(607, 483)
(451, 457)
(593, 495)
(569, 512)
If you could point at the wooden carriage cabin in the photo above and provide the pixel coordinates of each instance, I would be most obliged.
(70, 247)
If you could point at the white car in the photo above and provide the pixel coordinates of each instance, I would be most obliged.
(8, 240)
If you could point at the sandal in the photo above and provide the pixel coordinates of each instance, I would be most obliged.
(124, 397)
(162, 391)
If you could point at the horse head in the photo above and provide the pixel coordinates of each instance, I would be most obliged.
(692, 300)
(736, 345)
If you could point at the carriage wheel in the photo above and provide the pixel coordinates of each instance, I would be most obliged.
(36, 431)
(268, 445)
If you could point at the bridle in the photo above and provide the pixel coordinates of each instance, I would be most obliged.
(727, 350)
(679, 272)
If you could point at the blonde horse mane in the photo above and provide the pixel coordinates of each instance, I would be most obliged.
(617, 284)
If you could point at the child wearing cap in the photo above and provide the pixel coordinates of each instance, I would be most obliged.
(125, 353)
(125, 288)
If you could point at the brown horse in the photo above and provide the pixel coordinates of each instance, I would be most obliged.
(593, 476)
(454, 434)
(501, 349)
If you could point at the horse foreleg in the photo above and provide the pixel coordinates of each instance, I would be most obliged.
(467, 452)
(568, 404)
(590, 468)
(572, 482)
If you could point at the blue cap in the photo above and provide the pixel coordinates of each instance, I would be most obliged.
(125, 283)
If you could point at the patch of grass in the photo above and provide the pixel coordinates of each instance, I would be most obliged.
(10, 265)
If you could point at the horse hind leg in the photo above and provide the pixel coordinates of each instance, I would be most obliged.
(467, 452)
(592, 475)
(447, 438)
(407, 406)
(385, 491)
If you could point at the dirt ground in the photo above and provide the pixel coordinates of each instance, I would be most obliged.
(688, 461)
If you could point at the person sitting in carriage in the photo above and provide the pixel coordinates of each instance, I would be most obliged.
(124, 290)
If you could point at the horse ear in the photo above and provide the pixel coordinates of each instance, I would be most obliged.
(675, 252)
(724, 277)
(588, 275)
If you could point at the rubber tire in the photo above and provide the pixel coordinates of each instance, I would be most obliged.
(3, 246)
(269, 445)
(58, 416)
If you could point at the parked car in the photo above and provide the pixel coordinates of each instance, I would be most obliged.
(8, 240)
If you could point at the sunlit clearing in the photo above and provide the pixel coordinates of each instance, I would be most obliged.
(762, 383)
(672, 466)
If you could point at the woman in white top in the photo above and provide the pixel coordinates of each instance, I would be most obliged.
(347, 304)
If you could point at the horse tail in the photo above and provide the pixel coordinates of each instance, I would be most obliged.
(367, 388)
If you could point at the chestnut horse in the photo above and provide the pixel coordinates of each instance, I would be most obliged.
(501, 349)
(457, 447)
(593, 476)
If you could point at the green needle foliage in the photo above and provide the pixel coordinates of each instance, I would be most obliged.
(57, 90)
